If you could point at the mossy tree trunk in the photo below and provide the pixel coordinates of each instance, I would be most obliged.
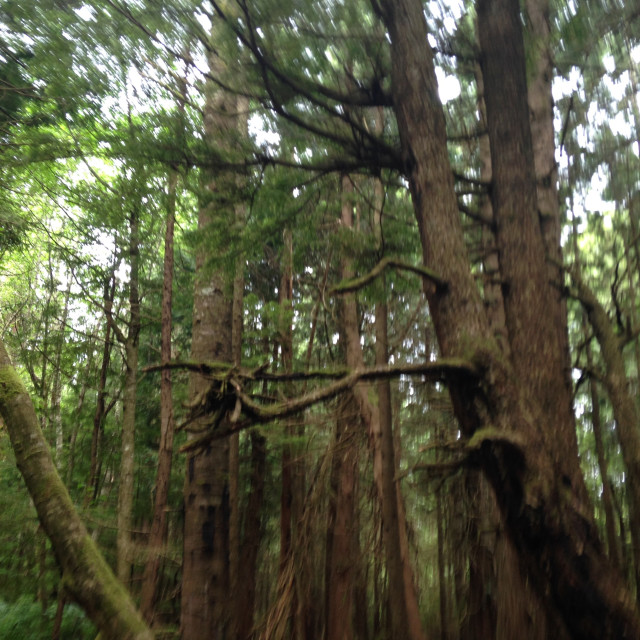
(86, 576)
(510, 411)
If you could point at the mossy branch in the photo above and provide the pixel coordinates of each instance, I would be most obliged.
(441, 370)
(353, 284)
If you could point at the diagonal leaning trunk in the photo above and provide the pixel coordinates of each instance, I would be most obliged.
(507, 419)
(85, 574)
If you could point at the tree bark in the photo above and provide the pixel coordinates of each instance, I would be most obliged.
(205, 573)
(86, 576)
(158, 532)
(342, 570)
(545, 514)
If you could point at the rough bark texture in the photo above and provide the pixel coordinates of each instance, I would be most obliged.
(500, 598)
(535, 337)
(205, 572)
(342, 570)
(540, 101)
(541, 500)
(86, 576)
(158, 532)
(340, 585)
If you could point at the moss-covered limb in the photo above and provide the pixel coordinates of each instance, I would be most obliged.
(441, 370)
(87, 577)
(432, 371)
(353, 284)
(222, 372)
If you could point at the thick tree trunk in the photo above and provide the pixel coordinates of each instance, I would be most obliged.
(540, 497)
(538, 350)
(86, 576)
(158, 532)
(127, 459)
(502, 601)
(205, 574)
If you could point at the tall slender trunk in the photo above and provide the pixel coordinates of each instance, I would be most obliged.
(607, 498)
(158, 532)
(205, 579)
(623, 403)
(99, 413)
(342, 570)
(341, 576)
(127, 459)
(502, 601)
(246, 589)
(292, 491)
(56, 385)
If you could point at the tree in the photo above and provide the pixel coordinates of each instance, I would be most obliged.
(86, 575)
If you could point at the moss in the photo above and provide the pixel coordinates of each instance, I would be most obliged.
(10, 384)
(115, 605)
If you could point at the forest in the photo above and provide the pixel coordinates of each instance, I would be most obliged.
(319, 320)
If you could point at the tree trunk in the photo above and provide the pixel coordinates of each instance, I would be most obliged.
(607, 499)
(56, 385)
(405, 622)
(205, 579)
(86, 576)
(158, 532)
(127, 459)
(551, 527)
(342, 570)
(99, 413)
(205, 572)
(623, 402)
(499, 595)
(246, 593)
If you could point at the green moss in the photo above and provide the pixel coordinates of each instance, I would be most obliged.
(493, 434)
(10, 384)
